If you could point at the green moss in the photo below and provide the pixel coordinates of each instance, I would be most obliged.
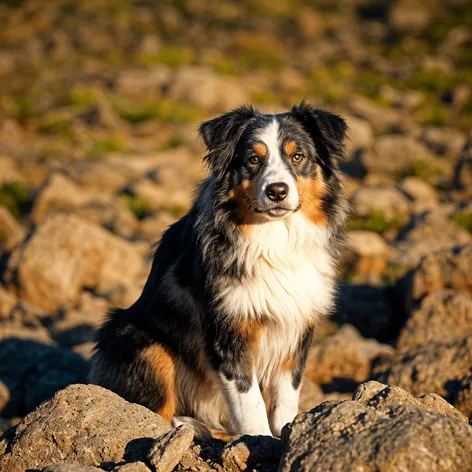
(426, 170)
(176, 211)
(82, 96)
(138, 206)
(161, 110)
(15, 196)
(175, 56)
(57, 123)
(432, 113)
(173, 143)
(107, 144)
(258, 52)
(464, 220)
(376, 222)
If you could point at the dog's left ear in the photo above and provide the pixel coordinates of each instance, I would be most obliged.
(327, 130)
(221, 135)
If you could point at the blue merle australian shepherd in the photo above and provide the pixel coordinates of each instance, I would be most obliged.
(220, 334)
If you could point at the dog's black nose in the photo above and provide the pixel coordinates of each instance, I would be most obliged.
(277, 191)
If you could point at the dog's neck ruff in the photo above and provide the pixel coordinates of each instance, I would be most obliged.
(290, 274)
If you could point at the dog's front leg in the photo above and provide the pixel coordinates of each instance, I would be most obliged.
(233, 359)
(285, 387)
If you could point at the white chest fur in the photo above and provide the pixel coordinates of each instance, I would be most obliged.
(291, 274)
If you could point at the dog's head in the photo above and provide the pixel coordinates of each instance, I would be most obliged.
(271, 166)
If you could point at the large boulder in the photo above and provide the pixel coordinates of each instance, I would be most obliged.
(67, 253)
(82, 424)
(372, 434)
(447, 268)
(433, 367)
(443, 316)
(38, 371)
(426, 233)
(342, 361)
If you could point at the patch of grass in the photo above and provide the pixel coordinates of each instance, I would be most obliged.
(259, 52)
(138, 206)
(15, 196)
(161, 110)
(57, 123)
(173, 143)
(176, 211)
(24, 109)
(426, 170)
(107, 144)
(432, 113)
(376, 222)
(175, 57)
(464, 220)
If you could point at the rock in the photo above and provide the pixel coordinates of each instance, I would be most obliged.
(38, 372)
(444, 141)
(311, 395)
(369, 309)
(61, 193)
(367, 244)
(395, 153)
(7, 302)
(343, 360)
(152, 227)
(84, 255)
(463, 170)
(382, 397)
(84, 425)
(352, 436)
(408, 17)
(361, 134)
(135, 82)
(4, 396)
(433, 367)
(133, 467)
(422, 194)
(388, 201)
(10, 170)
(11, 232)
(70, 468)
(102, 115)
(427, 233)
(167, 451)
(381, 119)
(202, 88)
(443, 316)
(462, 396)
(252, 453)
(447, 268)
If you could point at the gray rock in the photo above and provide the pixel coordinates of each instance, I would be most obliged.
(84, 254)
(433, 367)
(38, 372)
(70, 468)
(167, 451)
(443, 316)
(426, 233)
(381, 397)
(85, 425)
(340, 436)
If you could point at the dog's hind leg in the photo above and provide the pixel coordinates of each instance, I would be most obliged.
(162, 367)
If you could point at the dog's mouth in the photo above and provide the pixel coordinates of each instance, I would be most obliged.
(278, 211)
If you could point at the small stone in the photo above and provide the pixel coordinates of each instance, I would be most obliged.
(168, 449)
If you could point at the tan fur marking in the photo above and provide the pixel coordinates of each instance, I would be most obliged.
(260, 149)
(290, 148)
(243, 196)
(311, 192)
(162, 362)
(251, 330)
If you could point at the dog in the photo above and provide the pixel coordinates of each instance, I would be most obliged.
(237, 285)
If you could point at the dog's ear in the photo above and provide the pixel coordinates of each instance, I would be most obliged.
(221, 135)
(327, 130)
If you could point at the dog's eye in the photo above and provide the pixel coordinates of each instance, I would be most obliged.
(297, 157)
(254, 160)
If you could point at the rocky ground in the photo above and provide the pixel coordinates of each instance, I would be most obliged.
(99, 103)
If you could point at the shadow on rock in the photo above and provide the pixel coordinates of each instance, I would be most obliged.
(35, 371)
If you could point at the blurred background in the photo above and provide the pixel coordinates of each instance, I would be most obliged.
(99, 104)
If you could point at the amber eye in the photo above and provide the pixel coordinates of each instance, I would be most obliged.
(254, 160)
(297, 157)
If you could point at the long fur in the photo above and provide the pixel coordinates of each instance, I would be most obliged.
(238, 284)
